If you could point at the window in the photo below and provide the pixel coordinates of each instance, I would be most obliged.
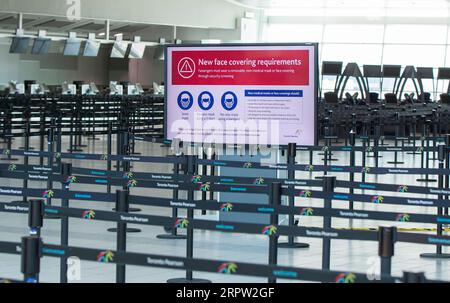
(359, 53)
(353, 34)
(416, 34)
(294, 33)
(417, 55)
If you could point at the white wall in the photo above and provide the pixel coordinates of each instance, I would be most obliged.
(192, 13)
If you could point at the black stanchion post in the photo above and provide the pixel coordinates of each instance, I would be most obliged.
(59, 141)
(292, 153)
(363, 159)
(397, 134)
(50, 150)
(442, 156)
(109, 152)
(26, 159)
(41, 137)
(376, 145)
(35, 216)
(275, 202)
(172, 231)
(31, 259)
(66, 172)
(386, 243)
(122, 206)
(427, 152)
(325, 157)
(447, 166)
(352, 140)
(191, 167)
(329, 183)
(412, 277)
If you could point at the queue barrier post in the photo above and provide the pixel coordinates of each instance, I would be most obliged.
(35, 216)
(122, 206)
(352, 141)
(59, 141)
(66, 172)
(363, 159)
(397, 134)
(50, 150)
(377, 144)
(41, 137)
(292, 153)
(329, 183)
(190, 169)
(412, 277)
(109, 152)
(447, 166)
(274, 201)
(30, 263)
(442, 156)
(172, 231)
(387, 237)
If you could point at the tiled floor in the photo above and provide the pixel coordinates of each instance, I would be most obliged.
(346, 255)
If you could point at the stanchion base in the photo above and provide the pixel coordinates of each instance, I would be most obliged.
(23, 148)
(435, 256)
(74, 150)
(414, 153)
(186, 281)
(426, 180)
(374, 156)
(93, 139)
(171, 237)
(129, 230)
(82, 145)
(331, 160)
(293, 245)
(395, 162)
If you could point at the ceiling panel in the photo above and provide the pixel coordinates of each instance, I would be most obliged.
(345, 3)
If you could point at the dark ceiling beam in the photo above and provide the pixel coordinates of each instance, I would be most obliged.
(76, 25)
(38, 22)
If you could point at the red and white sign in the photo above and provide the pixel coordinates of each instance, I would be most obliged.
(241, 94)
(240, 67)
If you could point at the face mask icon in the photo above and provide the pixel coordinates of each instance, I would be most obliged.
(185, 100)
(205, 102)
(229, 102)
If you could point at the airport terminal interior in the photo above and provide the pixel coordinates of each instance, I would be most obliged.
(224, 141)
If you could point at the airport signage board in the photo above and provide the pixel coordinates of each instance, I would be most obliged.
(241, 94)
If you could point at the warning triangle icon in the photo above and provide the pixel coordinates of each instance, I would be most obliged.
(186, 67)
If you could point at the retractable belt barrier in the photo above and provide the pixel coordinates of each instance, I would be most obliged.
(257, 229)
(237, 164)
(202, 265)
